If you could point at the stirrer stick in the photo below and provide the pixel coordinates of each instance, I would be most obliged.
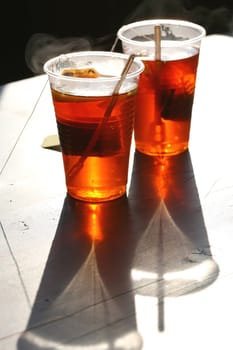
(157, 35)
(107, 114)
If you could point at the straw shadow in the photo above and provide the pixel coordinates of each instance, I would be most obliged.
(173, 256)
(85, 298)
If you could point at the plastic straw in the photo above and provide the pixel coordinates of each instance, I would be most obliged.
(157, 35)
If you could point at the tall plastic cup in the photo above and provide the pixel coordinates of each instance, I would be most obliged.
(167, 85)
(95, 143)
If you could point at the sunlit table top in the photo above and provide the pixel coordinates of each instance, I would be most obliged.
(152, 270)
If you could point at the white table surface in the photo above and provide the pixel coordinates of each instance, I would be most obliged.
(159, 273)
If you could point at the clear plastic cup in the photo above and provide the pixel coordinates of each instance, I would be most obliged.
(167, 85)
(95, 143)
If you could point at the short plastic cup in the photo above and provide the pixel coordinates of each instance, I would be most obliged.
(95, 144)
(167, 85)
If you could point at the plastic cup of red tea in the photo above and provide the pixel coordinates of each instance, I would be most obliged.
(167, 84)
(94, 122)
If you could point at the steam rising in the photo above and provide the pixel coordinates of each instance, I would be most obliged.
(218, 20)
(42, 46)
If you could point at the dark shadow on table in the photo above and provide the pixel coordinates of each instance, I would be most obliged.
(173, 256)
(85, 298)
(153, 243)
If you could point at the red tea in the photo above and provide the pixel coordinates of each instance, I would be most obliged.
(164, 104)
(101, 174)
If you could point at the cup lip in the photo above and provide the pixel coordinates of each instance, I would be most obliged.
(92, 53)
(164, 43)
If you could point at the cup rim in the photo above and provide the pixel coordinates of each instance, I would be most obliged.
(164, 43)
(93, 53)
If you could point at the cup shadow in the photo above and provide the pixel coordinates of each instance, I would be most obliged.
(85, 298)
(173, 255)
(151, 243)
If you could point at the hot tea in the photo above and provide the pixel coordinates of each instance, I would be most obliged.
(104, 171)
(165, 100)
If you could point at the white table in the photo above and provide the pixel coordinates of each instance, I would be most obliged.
(134, 273)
